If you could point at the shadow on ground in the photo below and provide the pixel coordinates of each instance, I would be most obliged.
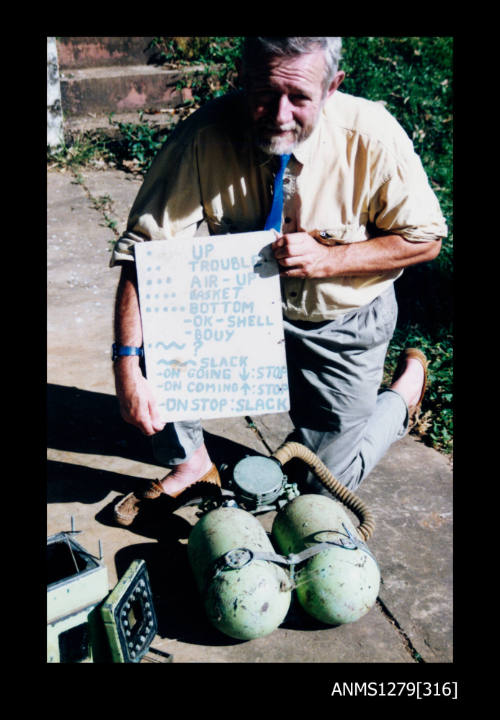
(178, 604)
(82, 421)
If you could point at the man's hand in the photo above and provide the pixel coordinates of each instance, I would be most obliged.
(301, 256)
(137, 402)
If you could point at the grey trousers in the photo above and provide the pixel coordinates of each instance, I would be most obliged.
(334, 370)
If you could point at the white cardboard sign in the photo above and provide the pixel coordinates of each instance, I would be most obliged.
(212, 326)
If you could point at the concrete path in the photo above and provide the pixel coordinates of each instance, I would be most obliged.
(94, 458)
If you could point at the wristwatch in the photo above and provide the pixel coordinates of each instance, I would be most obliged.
(323, 237)
(121, 350)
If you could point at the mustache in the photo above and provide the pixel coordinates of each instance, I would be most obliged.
(272, 128)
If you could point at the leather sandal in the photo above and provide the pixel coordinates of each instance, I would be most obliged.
(156, 488)
(416, 354)
(129, 507)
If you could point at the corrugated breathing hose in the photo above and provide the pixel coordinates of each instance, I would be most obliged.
(291, 450)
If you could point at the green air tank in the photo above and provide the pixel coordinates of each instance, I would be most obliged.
(244, 598)
(337, 585)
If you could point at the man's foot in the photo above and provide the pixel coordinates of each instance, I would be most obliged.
(199, 468)
(187, 473)
(196, 477)
(410, 378)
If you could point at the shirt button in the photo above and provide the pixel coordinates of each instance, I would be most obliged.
(288, 220)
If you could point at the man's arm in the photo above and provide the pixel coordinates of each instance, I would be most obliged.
(137, 402)
(301, 256)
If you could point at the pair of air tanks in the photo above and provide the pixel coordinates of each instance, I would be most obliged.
(246, 578)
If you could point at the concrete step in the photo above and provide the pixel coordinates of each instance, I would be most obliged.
(87, 52)
(122, 89)
(93, 124)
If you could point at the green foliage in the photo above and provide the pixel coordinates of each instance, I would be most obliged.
(216, 55)
(199, 50)
(79, 151)
(136, 142)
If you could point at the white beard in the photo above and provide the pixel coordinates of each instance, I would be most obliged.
(276, 145)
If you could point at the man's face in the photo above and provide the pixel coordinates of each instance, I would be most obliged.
(286, 96)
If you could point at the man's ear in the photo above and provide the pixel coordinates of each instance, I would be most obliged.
(335, 83)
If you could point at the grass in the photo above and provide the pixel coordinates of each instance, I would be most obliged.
(413, 76)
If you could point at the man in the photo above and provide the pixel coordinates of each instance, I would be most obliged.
(357, 210)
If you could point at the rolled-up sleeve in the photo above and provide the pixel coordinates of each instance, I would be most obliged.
(168, 203)
(406, 205)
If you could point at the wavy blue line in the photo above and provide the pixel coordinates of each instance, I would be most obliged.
(172, 344)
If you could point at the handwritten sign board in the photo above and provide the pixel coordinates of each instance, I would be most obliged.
(212, 326)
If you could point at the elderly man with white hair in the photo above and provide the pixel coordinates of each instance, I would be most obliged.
(356, 209)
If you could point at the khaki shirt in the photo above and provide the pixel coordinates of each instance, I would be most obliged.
(355, 177)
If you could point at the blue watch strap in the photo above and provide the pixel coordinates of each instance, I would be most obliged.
(121, 350)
